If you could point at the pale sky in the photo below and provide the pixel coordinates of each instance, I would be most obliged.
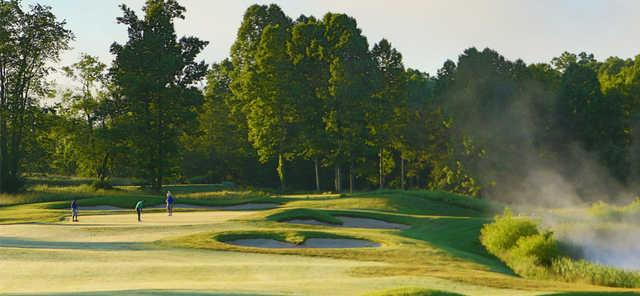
(426, 32)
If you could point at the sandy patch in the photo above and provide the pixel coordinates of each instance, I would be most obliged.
(369, 223)
(331, 243)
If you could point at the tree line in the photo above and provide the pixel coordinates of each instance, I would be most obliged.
(309, 104)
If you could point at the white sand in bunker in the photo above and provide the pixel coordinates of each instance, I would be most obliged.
(178, 218)
(329, 243)
(353, 222)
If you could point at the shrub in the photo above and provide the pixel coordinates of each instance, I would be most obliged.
(529, 253)
(542, 248)
(98, 184)
(504, 232)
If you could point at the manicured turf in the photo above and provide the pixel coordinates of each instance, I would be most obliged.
(186, 254)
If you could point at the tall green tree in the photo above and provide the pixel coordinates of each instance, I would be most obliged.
(30, 40)
(156, 75)
(273, 113)
(245, 47)
(91, 118)
(388, 114)
(220, 150)
(349, 91)
(306, 47)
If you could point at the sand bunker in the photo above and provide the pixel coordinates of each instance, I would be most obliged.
(331, 243)
(353, 222)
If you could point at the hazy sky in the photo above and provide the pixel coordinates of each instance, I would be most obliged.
(426, 32)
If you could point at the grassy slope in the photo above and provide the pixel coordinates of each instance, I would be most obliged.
(440, 247)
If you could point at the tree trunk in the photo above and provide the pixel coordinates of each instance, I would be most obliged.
(3, 129)
(102, 170)
(160, 161)
(280, 170)
(315, 164)
(381, 182)
(402, 173)
(336, 180)
(351, 178)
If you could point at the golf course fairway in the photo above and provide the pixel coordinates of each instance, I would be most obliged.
(110, 252)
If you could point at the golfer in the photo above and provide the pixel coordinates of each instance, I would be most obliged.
(169, 203)
(139, 206)
(74, 211)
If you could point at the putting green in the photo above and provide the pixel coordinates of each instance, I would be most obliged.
(105, 253)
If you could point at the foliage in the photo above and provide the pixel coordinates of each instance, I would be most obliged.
(30, 42)
(608, 212)
(530, 253)
(307, 103)
(155, 75)
(583, 271)
(505, 232)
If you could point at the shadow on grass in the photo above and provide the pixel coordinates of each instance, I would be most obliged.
(457, 237)
(11, 242)
(146, 293)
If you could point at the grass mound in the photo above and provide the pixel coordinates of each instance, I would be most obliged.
(412, 292)
(292, 237)
(321, 216)
(535, 254)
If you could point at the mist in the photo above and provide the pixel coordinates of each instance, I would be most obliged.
(534, 162)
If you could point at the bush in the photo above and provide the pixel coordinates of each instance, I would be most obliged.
(542, 248)
(504, 232)
(529, 253)
(98, 184)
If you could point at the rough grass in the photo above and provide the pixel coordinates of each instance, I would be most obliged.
(614, 213)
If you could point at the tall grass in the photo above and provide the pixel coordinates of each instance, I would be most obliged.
(531, 253)
(608, 212)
